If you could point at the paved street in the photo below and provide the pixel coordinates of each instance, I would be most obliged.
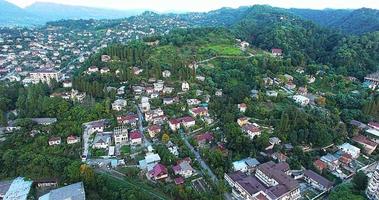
(140, 127)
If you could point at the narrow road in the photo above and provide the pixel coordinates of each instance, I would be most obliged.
(140, 127)
(198, 158)
(120, 176)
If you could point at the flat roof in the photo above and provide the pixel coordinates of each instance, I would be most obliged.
(19, 189)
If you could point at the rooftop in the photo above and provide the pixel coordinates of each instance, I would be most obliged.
(71, 192)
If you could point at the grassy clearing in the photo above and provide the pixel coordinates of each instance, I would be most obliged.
(221, 50)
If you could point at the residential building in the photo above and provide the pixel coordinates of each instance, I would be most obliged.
(276, 52)
(151, 159)
(166, 74)
(150, 115)
(73, 192)
(119, 104)
(350, 149)
(105, 58)
(153, 130)
(199, 111)
(317, 181)
(97, 126)
(67, 83)
(186, 122)
(242, 121)
(372, 190)
(44, 121)
(252, 130)
(369, 145)
(102, 140)
(374, 125)
(242, 107)
(319, 165)
(92, 69)
(193, 102)
(301, 100)
(130, 119)
(145, 105)
(331, 161)
(104, 70)
(204, 138)
(72, 139)
(184, 169)
(120, 135)
(159, 172)
(245, 165)
(44, 75)
(54, 141)
(185, 86)
(135, 137)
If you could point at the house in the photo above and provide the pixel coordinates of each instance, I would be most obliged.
(301, 100)
(199, 111)
(130, 119)
(120, 135)
(319, 165)
(254, 94)
(92, 69)
(280, 157)
(242, 107)
(72, 139)
(193, 102)
(137, 70)
(242, 121)
(102, 140)
(218, 92)
(185, 86)
(166, 74)
(54, 141)
(135, 137)
(67, 83)
(345, 159)
(288, 78)
(204, 138)
(302, 91)
(184, 169)
(168, 90)
(105, 58)
(272, 93)
(168, 101)
(151, 159)
(159, 172)
(74, 191)
(145, 105)
(331, 161)
(350, 149)
(97, 126)
(186, 122)
(268, 81)
(179, 180)
(368, 144)
(290, 86)
(104, 70)
(252, 130)
(158, 86)
(317, 181)
(119, 104)
(245, 165)
(276, 52)
(153, 130)
(150, 115)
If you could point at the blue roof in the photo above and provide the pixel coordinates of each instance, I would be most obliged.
(73, 192)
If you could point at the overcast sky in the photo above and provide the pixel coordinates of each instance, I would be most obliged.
(206, 5)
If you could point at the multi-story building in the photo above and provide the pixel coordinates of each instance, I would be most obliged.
(271, 181)
(44, 76)
(372, 190)
(120, 135)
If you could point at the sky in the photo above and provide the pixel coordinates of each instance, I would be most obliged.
(206, 5)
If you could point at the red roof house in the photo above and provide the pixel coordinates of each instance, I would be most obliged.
(158, 172)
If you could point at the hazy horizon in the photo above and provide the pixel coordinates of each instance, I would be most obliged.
(203, 6)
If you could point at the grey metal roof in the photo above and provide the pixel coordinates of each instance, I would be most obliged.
(72, 192)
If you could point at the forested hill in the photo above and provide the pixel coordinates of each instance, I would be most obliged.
(305, 42)
(358, 21)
